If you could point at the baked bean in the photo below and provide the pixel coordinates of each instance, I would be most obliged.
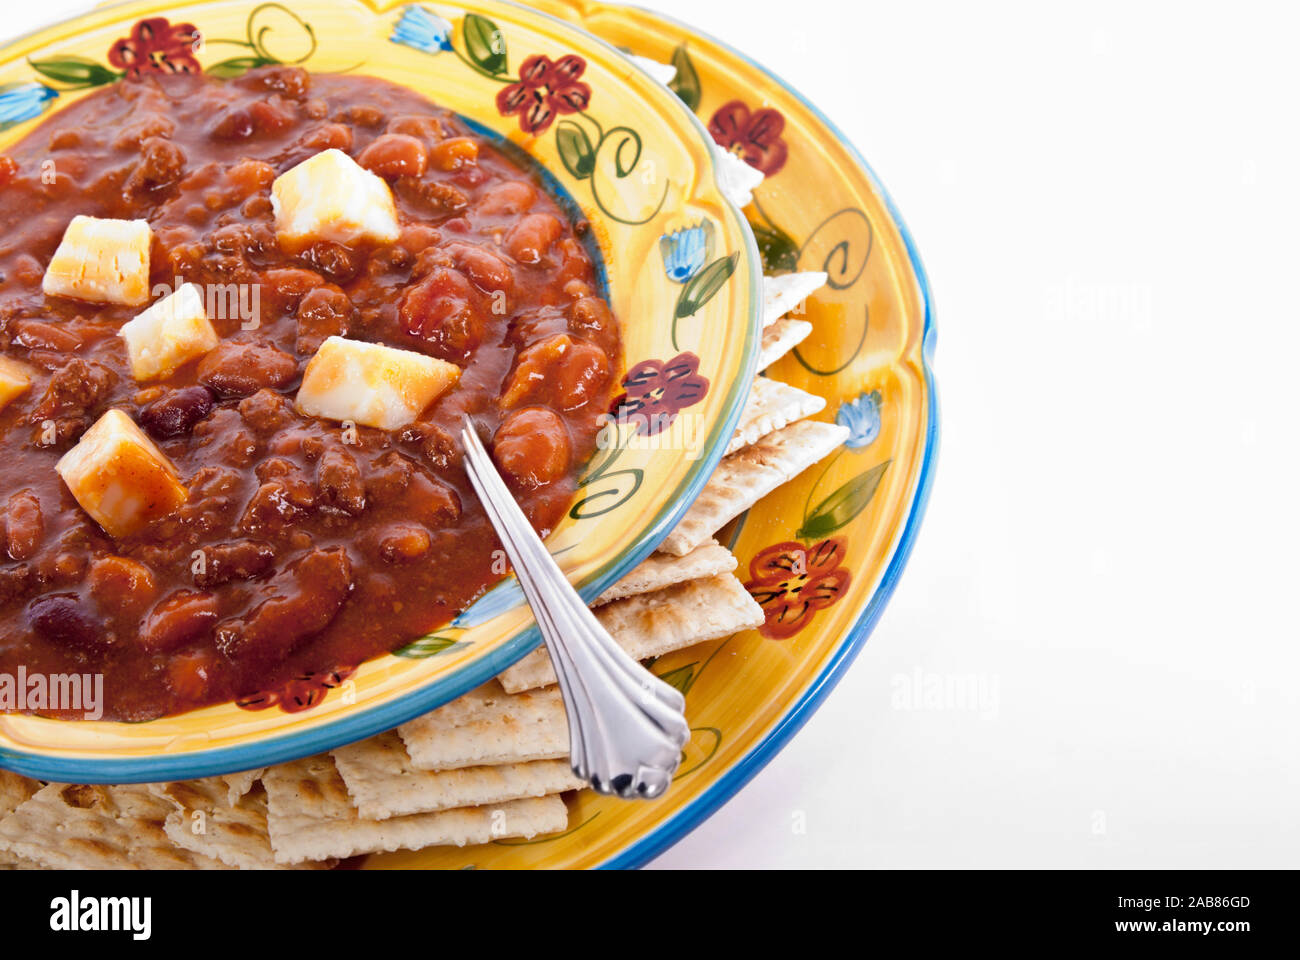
(395, 155)
(507, 199)
(400, 542)
(328, 136)
(453, 154)
(530, 239)
(532, 447)
(487, 270)
(121, 587)
(425, 128)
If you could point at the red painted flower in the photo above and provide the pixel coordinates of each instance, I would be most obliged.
(753, 135)
(545, 90)
(657, 391)
(156, 46)
(301, 693)
(791, 582)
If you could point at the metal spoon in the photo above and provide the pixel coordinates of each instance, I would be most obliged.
(626, 726)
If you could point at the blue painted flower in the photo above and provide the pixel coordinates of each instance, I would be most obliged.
(686, 250)
(422, 30)
(862, 417)
(22, 101)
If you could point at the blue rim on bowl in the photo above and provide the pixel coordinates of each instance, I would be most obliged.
(373, 720)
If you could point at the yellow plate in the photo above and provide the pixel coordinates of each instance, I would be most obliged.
(683, 278)
(850, 521)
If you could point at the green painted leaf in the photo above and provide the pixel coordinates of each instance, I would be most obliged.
(779, 251)
(705, 285)
(687, 82)
(575, 149)
(843, 505)
(235, 67)
(75, 71)
(430, 646)
(484, 44)
(681, 678)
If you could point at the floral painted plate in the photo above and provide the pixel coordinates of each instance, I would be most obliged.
(682, 273)
(849, 523)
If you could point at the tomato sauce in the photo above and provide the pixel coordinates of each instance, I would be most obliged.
(306, 545)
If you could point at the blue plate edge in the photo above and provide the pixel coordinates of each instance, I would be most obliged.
(697, 811)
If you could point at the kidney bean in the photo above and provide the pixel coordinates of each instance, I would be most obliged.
(241, 369)
(37, 335)
(302, 601)
(177, 413)
(179, 618)
(59, 618)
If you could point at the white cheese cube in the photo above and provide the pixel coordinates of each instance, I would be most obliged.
(104, 261)
(168, 335)
(330, 197)
(15, 380)
(120, 477)
(372, 384)
(782, 294)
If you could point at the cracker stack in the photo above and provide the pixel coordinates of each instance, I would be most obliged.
(490, 765)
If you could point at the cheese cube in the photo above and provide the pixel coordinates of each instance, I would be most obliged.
(168, 335)
(120, 477)
(15, 380)
(372, 384)
(105, 261)
(330, 197)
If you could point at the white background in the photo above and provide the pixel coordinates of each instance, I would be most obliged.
(1110, 547)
